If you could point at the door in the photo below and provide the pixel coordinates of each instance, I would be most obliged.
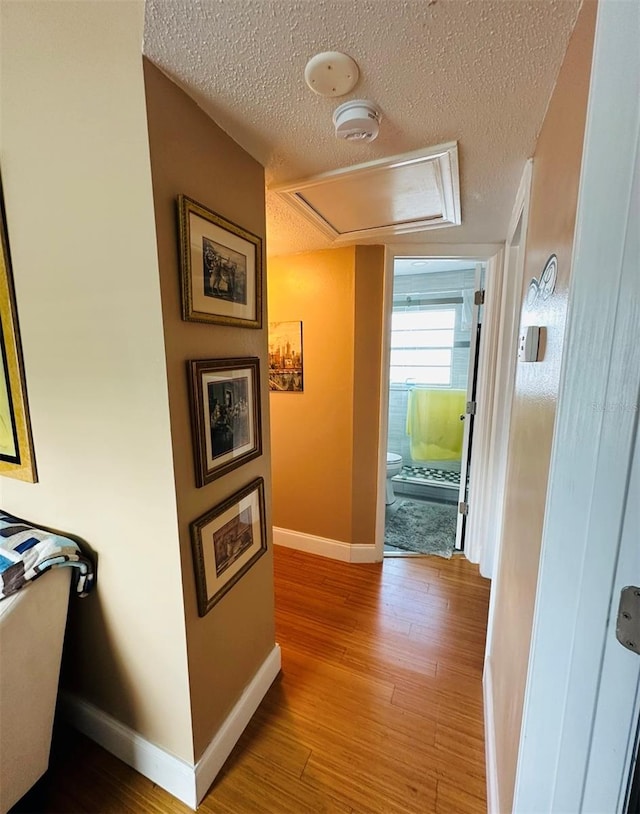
(469, 415)
(581, 708)
(614, 731)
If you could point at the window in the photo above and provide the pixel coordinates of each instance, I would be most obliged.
(421, 346)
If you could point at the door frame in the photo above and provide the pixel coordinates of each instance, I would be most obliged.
(489, 253)
(486, 522)
(596, 422)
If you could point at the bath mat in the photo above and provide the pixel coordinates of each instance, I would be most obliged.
(421, 527)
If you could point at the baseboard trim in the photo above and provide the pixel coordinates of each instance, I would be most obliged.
(219, 749)
(493, 795)
(183, 780)
(170, 772)
(334, 549)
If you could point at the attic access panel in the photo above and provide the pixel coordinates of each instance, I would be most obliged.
(391, 196)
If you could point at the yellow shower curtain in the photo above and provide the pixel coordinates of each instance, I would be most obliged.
(433, 424)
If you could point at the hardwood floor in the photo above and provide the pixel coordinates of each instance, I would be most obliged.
(378, 709)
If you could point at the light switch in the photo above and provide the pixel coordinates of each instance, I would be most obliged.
(528, 343)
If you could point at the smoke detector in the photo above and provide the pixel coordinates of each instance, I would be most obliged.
(357, 120)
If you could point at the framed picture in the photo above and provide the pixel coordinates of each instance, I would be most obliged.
(285, 357)
(225, 415)
(221, 268)
(16, 445)
(226, 542)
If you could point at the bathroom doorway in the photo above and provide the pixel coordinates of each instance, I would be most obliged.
(434, 348)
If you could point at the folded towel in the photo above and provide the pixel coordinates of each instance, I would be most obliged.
(433, 424)
(26, 552)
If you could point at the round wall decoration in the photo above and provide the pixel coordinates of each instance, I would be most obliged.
(548, 278)
(545, 286)
(532, 292)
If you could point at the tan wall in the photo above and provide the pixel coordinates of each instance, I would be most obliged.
(311, 432)
(369, 286)
(556, 172)
(325, 440)
(75, 162)
(191, 155)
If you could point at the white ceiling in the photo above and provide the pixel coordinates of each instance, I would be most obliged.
(477, 71)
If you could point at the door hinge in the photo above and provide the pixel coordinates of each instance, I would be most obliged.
(463, 507)
(478, 297)
(628, 623)
(471, 407)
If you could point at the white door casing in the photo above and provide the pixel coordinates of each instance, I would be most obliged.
(490, 521)
(490, 253)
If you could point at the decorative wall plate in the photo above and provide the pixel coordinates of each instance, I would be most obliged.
(548, 277)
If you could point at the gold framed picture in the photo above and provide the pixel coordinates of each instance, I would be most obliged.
(16, 444)
(220, 267)
(227, 542)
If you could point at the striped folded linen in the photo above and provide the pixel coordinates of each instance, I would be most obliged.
(27, 551)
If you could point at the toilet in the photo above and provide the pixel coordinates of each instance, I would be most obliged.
(394, 467)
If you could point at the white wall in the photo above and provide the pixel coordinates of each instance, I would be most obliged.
(77, 187)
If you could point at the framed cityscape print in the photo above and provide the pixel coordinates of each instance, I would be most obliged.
(285, 357)
(225, 415)
(220, 268)
(16, 446)
(227, 542)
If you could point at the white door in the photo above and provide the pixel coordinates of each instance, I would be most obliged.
(581, 705)
(469, 415)
(614, 731)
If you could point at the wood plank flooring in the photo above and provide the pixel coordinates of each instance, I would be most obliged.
(378, 709)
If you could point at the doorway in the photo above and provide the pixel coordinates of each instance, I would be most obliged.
(434, 342)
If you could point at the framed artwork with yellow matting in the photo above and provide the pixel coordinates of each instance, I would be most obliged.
(16, 446)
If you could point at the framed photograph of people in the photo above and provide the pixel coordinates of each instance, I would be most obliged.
(220, 267)
(225, 415)
(226, 542)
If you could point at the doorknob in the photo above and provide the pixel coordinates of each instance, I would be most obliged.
(628, 624)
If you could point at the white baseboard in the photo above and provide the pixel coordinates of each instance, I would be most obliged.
(185, 781)
(227, 736)
(170, 772)
(493, 794)
(334, 549)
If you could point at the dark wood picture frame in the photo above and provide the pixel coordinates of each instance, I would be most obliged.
(225, 414)
(227, 541)
(220, 268)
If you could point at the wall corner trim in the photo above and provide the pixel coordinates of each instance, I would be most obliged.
(170, 772)
(183, 780)
(493, 793)
(333, 549)
(225, 739)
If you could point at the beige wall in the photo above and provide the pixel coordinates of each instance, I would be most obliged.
(191, 155)
(77, 185)
(369, 287)
(311, 432)
(556, 173)
(325, 439)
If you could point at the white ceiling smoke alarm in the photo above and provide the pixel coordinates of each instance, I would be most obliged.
(357, 120)
(331, 74)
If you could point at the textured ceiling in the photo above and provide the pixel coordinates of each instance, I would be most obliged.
(477, 71)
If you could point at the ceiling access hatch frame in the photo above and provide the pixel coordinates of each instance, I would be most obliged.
(345, 188)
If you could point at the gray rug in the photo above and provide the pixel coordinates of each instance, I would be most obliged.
(424, 528)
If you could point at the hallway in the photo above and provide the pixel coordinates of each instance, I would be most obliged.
(378, 708)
